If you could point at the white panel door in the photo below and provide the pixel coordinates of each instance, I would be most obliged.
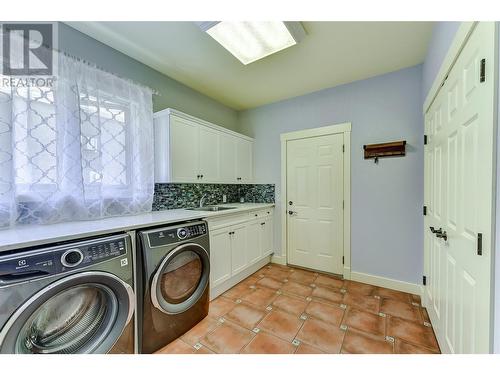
(184, 150)
(220, 256)
(238, 248)
(208, 140)
(254, 241)
(459, 196)
(315, 199)
(244, 162)
(227, 158)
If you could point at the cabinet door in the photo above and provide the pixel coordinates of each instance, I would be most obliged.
(227, 158)
(220, 256)
(267, 236)
(184, 150)
(254, 241)
(208, 141)
(244, 162)
(238, 248)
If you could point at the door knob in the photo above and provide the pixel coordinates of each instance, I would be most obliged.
(291, 212)
(436, 231)
(290, 203)
(442, 235)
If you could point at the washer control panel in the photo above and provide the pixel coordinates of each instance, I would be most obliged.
(166, 236)
(26, 265)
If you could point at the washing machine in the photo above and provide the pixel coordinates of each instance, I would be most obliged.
(175, 264)
(74, 297)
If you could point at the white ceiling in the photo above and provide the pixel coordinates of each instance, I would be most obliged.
(331, 54)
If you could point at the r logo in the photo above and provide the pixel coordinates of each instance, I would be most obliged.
(27, 49)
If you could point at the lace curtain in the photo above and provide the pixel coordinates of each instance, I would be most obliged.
(80, 150)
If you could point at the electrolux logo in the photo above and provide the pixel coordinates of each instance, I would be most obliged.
(27, 54)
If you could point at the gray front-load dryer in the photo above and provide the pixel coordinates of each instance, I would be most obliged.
(175, 267)
(70, 298)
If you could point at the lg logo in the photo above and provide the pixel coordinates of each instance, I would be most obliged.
(27, 49)
(22, 262)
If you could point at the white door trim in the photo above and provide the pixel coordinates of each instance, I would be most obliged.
(344, 128)
(456, 47)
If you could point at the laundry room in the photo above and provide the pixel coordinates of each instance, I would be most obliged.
(249, 187)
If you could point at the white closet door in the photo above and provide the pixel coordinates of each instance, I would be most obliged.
(459, 194)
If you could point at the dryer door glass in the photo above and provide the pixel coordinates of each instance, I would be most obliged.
(181, 279)
(68, 321)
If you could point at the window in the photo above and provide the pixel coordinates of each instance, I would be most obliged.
(82, 149)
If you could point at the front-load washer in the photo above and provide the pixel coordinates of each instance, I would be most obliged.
(175, 264)
(75, 297)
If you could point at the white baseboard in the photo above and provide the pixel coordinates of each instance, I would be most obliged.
(229, 283)
(347, 273)
(278, 259)
(384, 282)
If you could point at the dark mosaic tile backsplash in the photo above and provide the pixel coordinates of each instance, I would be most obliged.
(170, 196)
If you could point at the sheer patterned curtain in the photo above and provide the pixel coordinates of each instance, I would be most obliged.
(80, 150)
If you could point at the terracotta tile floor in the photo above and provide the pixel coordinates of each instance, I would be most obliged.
(287, 310)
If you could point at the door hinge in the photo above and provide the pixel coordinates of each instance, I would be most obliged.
(425, 139)
(444, 81)
(479, 244)
(424, 280)
(343, 148)
(425, 210)
(482, 74)
(342, 260)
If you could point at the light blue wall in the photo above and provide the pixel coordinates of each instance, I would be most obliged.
(173, 93)
(442, 36)
(387, 198)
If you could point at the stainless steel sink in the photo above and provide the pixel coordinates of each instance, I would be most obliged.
(210, 208)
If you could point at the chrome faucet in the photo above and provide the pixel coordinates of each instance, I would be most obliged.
(202, 200)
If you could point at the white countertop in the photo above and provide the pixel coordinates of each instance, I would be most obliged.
(34, 235)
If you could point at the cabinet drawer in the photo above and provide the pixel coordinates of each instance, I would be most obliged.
(226, 221)
(260, 213)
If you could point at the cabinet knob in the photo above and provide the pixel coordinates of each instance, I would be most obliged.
(201, 175)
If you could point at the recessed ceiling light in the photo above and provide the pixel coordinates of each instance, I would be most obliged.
(251, 41)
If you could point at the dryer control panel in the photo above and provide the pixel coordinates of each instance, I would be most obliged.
(25, 265)
(171, 235)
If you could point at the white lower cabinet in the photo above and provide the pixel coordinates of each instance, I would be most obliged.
(267, 237)
(254, 243)
(220, 256)
(239, 245)
(238, 235)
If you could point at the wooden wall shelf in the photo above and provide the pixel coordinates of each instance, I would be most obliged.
(382, 150)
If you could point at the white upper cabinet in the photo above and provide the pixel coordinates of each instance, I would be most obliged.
(208, 155)
(184, 151)
(188, 149)
(227, 158)
(244, 162)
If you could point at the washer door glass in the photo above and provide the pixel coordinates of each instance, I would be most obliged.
(81, 313)
(182, 278)
(67, 322)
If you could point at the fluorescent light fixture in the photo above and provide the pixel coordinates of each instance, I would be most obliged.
(253, 40)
